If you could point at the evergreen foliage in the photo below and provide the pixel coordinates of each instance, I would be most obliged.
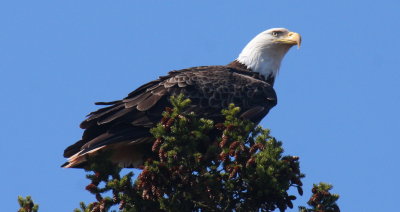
(322, 200)
(27, 205)
(199, 165)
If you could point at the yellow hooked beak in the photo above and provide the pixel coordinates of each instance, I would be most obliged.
(292, 38)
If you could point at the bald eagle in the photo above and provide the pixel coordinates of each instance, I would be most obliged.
(123, 126)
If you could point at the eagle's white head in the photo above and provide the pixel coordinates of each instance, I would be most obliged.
(265, 52)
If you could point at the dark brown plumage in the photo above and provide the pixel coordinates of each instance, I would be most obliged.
(123, 126)
(126, 123)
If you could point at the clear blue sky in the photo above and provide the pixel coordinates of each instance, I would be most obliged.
(339, 95)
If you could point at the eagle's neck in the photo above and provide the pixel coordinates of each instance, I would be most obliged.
(262, 58)
(240, 66)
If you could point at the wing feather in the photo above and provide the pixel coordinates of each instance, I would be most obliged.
(149, 102)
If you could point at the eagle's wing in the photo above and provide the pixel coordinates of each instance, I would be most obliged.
(124, 125)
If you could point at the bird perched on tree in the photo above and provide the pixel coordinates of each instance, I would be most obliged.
(123, 126)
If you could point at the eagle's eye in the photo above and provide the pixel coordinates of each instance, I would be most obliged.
(275, 33)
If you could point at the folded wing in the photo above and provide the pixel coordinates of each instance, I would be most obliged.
(123, 126)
